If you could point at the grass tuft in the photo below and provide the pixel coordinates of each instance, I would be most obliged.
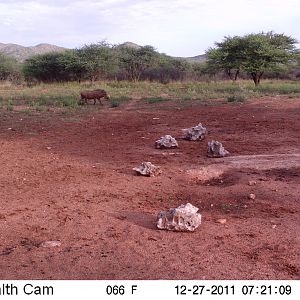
(236, 98)
(152, 100)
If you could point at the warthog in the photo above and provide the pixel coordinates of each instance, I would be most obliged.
(96, 94)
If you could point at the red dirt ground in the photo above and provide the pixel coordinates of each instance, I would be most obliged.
(69, 179)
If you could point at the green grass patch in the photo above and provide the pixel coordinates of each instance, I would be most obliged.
(152, 100)
(26, 111)
(9, 106)
(67, 95)
(56, 100)
(278, 88)
(117, 101)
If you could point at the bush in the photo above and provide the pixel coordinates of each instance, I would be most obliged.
(9, 106)
(236, 98)
(116, 101)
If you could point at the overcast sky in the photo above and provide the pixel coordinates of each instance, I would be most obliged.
(178, 28)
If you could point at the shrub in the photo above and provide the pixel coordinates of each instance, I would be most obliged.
(236, 98)
(116, 101)
(9, 106)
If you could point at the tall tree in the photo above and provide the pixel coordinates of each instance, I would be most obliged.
(45, 67)
(227, 56)
(73, 65)
(252, 53)
(9, 69)
(98, 60)
(136, 60)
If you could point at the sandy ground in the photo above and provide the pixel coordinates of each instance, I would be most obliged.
(69, 179)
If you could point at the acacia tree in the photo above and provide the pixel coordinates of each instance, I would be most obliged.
(45, 67)
(227, 56)
(9, 69)
(253, 53)
(267, 52)
(73, 65)
(98, 60)
(134, 61)
(92, 62)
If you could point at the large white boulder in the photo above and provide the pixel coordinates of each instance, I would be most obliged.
(216, 149)
(166, 141)
(196, 133)
(147, 169)
(182, 218)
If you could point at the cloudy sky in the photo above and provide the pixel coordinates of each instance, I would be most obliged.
(178, 28)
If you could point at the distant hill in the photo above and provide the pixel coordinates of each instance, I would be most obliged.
(130, 45)
(20, 53)
(198, 58)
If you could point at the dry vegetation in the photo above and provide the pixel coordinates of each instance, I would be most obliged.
(67, 94)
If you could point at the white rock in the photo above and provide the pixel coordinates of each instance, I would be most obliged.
(147, 169)
(252, 182)
(166, 141)
(49, 244)
(221, 221)
(252, 196)
(182, 218)
(196, 133)
(216, 149)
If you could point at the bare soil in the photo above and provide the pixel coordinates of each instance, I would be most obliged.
(69, 179)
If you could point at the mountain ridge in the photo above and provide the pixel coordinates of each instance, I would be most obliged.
(21, 53)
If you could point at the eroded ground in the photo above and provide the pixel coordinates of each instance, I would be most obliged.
(69, 179)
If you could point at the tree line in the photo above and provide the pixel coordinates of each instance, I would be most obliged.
(253, 55)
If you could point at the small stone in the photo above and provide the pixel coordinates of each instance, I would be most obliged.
(216, 149)
(196, 133)
(252, 182)
(166, 141)
(274, 226)
(221, 221)
(49, 244)
(147, 169)
(251, 196)
(49, 148)
(182, 218)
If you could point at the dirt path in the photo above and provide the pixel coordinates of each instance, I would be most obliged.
(69, 179)
(254, 162)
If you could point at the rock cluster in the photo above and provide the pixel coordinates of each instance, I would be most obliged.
(216, 149)
(166, 141)
(147, 169)
(196, 133)
(182, 218)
